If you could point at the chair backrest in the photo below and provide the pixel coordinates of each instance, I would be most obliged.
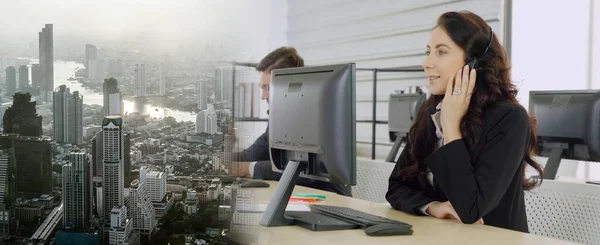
(372, 179)
(565, 210)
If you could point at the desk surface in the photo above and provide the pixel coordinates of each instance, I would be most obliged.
(427, 230)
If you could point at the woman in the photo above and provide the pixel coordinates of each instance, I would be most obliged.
(471, 142)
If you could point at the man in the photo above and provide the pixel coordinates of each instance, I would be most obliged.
(255, 161)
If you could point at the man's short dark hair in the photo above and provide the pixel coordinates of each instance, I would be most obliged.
(283, 57)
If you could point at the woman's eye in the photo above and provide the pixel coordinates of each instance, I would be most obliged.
(427, 52)
(442, 52)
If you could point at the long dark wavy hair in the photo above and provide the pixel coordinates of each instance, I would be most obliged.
(471, 33)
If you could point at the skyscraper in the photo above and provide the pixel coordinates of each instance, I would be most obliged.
(34, 165)
(36, 77)
(113, 102)
(8, 192)
(140, 208)
(68, 116)
(228, 147)
(77, 192)
(140, 80)
(161, 80)
(91, 54)
(23, 78)
(112, 160)
(97, 154)
(75, 119)
(46, 48)
(127, 158)
(224, 84)
(11, 80)
(156, 185)
(22, 117)
(202, 94)
(206, 121)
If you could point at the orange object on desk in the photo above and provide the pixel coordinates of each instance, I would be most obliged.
(304, 199)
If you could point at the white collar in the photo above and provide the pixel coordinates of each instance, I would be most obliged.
(438, 128)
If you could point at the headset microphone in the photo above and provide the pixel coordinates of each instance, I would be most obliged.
(432, 109)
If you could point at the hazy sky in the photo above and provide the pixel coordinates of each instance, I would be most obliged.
(162, 20)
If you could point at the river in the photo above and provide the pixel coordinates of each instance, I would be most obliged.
(63, 70)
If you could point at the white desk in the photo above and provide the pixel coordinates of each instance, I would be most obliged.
(427, 230)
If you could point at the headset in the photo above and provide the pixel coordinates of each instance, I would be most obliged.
(473, 62)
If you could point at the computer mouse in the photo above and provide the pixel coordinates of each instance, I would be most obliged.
(388, 230)
(255, 184)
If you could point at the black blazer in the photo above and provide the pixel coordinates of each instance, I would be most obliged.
(485, 181)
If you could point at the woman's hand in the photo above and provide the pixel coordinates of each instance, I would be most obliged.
(456, 102)
(444, 210)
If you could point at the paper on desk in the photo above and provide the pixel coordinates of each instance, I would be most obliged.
(290, 207)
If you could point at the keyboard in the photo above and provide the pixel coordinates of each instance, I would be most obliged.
(319, 222)
(354, 216)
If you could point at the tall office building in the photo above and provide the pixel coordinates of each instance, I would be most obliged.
(11, 80)
(202, 94)
(248, 100)
(140, 80)
(161, 79)
(228, 147)
(97, 154)
(34, 165)
(46, 48)
(22, 118)
(91, 54)
(112, 160)
(113, 102)
(121, 228)
(8, 192)
(68, 116)
(36, 77)
(156, 185)
(23, 78)
(141, 209)
(224, 84)
(127, 158)
(75, 119)
(206, 121)
(77, 192)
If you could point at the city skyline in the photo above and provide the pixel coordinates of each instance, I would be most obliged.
(154, 25)
(85, 185)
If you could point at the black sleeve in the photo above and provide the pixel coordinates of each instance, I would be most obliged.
(263, 170)
(476, 186)
(402, 195)
(258, 151)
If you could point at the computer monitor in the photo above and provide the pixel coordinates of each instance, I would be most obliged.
(568, 126)
(402, 113)
(312, 130)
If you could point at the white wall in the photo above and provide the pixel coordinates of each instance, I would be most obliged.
(595, 28)
(272, 16)
(374, 34)
(550, 45)
(556, 46)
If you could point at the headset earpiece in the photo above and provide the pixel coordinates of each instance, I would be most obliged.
(472, 63)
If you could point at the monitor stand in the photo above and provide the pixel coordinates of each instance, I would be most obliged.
(553, 163)
(395, 148)
(275, 213)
